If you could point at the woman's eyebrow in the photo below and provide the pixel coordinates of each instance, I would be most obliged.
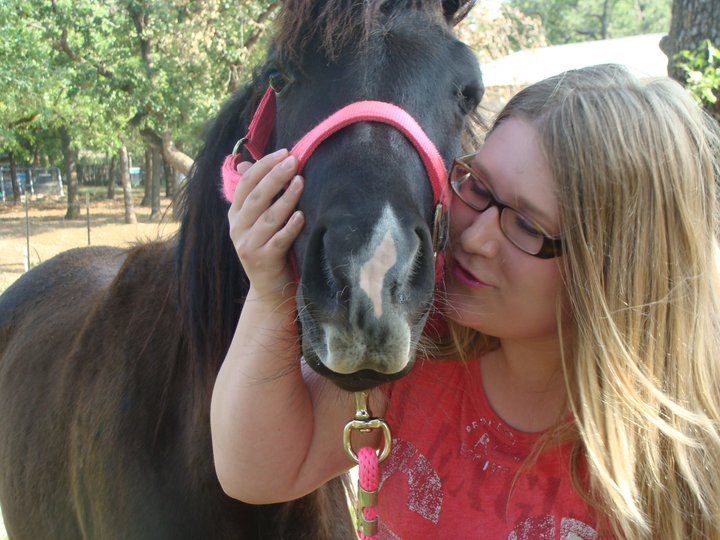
(520, 202)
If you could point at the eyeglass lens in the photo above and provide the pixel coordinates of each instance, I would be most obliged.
(519, 229)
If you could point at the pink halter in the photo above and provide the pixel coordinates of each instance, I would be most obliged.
(263, 122)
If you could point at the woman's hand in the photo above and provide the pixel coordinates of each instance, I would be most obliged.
(263, 231)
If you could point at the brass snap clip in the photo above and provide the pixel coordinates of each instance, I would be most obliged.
(365, 423)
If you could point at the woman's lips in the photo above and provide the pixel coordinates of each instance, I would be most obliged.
(465, 277)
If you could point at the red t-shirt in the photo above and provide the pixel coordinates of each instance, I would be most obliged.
(454, 461)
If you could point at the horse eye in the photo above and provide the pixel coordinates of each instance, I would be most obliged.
(469, 97)
(278, 81)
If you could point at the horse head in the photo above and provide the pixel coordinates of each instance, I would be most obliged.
(366, 257)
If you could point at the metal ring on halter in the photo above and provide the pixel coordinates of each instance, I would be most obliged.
(364, 423)
(366, 426)
(238, 145)
(440, 229)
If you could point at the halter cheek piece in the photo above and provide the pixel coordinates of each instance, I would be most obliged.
(263, 122)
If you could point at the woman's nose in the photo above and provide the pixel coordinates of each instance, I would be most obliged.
(483, 234)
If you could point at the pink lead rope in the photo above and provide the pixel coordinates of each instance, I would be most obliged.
(368, 460)
(368, 482)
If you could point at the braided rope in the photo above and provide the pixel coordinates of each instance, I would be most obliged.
(368, 479)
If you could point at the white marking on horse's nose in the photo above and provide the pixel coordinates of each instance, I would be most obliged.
(372, 273)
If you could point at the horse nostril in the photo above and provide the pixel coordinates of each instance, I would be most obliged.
(324, 281)
(398, 293)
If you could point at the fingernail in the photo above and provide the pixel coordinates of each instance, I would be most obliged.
(288, 163)
(278, 153)
(296, 183)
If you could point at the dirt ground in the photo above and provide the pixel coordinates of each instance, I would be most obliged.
(51, 234)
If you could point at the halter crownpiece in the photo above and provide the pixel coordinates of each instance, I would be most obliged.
(263, 122)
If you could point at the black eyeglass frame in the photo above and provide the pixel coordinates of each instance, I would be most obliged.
(551, 246)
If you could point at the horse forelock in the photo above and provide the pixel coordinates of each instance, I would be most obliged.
(335, 24)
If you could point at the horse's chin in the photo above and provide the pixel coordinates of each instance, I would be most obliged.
(365, 379)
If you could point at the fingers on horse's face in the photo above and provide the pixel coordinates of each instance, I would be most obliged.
(365, 256)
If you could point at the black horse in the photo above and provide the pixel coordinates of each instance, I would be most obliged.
(108, 356)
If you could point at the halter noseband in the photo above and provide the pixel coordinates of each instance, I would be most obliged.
(263, 122)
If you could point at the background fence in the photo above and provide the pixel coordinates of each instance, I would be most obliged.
(32, 180)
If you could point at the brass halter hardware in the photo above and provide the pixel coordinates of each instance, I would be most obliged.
(365, 423)
(238, 146)
(440, 229)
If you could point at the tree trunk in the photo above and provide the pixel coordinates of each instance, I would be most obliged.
(692, 22)
(157, 179)
(141, 19)
(177, 159)
(172, 155)
(73, 210)
(13, 178)
(112, 173)
(168, 175)
(148, 180)
(126, 186)
(81, 176)
(604, 20)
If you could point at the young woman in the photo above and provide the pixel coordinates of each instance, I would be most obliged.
(581, 295)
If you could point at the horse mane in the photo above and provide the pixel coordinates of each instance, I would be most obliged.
(338, 23)
(211, 284)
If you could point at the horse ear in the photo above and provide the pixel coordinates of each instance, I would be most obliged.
(456, 10)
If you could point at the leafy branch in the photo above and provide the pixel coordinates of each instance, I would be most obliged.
(702, 72)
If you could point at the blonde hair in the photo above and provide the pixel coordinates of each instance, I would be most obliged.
(635, 167)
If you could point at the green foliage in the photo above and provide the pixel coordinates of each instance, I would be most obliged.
(569, 21)
(109, 69)
(702, 72)
(492, 35)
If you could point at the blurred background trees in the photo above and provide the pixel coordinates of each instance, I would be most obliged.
(692, 49)
(569, 21)
(79, 78)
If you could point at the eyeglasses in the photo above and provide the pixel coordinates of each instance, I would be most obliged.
(523, 232)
